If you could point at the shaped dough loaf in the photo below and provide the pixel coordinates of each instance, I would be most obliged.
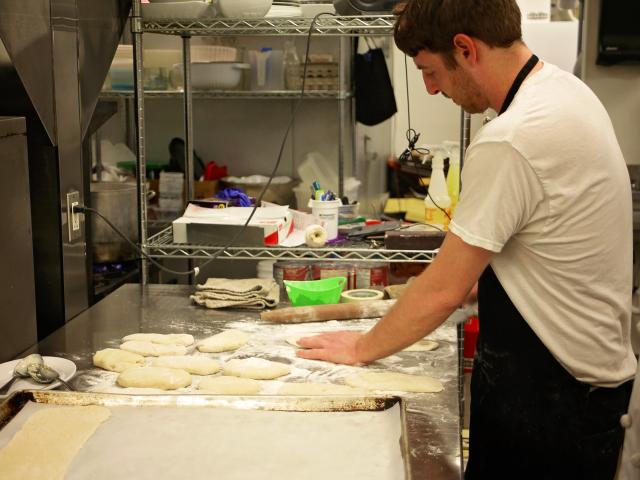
(154, 377)
(196, 365)
(422, 346)
(148, 349)
(395, 382)
(229, 386)
(116, 360)
(256, 368)
(161, 338)
(223, 342)
(48, 442)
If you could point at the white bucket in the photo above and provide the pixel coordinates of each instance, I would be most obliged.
(325, 213)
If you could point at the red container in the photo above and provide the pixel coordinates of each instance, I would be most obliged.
(322, 270)
(471, 331)
(372, 275)
(289, 271)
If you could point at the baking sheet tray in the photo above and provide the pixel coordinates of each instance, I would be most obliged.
(231, 437)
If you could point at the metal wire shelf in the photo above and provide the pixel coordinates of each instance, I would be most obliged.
(234, 94)
(161, 245)
(330, 26)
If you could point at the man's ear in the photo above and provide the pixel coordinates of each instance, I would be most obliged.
(465, 49)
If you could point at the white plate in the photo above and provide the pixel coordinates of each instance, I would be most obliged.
(66, 369)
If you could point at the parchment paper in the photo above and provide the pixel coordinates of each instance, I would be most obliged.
(146, 443)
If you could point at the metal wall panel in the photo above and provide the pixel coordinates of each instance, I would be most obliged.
(17, 287)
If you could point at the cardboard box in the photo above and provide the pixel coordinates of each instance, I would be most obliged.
(204, 226)
(201, 189)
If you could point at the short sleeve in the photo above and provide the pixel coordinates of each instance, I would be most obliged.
(500, 192)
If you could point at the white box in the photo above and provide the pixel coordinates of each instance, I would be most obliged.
(216, 226)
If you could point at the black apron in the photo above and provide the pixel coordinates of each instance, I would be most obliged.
(530, 418)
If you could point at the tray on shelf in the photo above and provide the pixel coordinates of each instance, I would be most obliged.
(161, 245)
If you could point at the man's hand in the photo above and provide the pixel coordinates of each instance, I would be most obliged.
(335, 347)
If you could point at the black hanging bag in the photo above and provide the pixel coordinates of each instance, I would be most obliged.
(375, 101)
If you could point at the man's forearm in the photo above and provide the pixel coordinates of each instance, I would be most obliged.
(427, 302)
(416, 314)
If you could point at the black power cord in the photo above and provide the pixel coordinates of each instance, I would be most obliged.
(196, 270)
(412, 139)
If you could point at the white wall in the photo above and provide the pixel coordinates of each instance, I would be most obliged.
(437, 118)
(618, 87)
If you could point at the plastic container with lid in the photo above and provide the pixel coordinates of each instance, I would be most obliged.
(438, 203)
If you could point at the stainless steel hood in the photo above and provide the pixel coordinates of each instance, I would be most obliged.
(54, 56)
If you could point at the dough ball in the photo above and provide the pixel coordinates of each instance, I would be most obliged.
(223, 342)
(194, 365)
(116, 360)
(395, 382)
(422, 346)
(148, 349)
(229, 386)
(163, 339)
(319, 389)
(154, 377)
(256, 368)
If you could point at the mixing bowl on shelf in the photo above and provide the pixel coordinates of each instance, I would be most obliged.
(244, 8)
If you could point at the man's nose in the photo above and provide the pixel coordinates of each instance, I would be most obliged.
(432, 88)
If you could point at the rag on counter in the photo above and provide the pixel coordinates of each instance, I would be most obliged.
(250, 293)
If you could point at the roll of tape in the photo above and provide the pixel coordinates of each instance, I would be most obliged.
(315, 236)
(360, 295)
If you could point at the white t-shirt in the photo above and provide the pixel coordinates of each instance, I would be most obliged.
(545, 186)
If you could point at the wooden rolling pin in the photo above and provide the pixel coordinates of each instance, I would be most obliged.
(322, 313)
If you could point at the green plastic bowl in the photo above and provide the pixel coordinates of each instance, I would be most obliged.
(315, 292)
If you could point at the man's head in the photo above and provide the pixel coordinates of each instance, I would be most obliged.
(432, 25)
(443, 35)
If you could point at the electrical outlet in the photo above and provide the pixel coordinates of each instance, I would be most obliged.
(73, 218)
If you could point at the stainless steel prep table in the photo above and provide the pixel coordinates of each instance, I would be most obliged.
(433, 419)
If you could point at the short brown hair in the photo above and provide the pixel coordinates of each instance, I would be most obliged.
(432, 24)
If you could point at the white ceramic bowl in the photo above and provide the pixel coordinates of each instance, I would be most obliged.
(217, 75)
(244, 8)
(173, 9)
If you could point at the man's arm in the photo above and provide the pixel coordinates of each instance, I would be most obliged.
(427, 302)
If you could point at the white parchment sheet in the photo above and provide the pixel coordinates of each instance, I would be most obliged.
(231, 444)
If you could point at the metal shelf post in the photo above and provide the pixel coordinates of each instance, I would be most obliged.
(141, 169)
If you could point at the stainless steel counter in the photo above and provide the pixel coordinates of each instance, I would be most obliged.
(433, 419)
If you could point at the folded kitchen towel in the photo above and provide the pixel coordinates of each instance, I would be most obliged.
(251, 293)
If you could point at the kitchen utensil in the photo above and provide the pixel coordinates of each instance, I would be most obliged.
(20, 370)
(210, 76)
(117, 202)
(357, 7)
(244, 8)
(315, 292)
(322, 313)
(184, 9)
(44, 374)
(65, 367)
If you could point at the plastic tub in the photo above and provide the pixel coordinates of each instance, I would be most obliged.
(325, 213)
(315, 292)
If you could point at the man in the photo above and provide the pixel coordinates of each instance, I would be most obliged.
(544, 225)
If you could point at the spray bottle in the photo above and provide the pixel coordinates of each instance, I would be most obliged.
(438, 203)
(453, 181)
